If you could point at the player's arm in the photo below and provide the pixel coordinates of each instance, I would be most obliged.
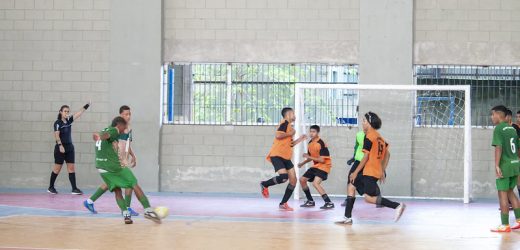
(131, 153)
(498, 155)
(316, 159)
(80, 112)
(57, 137)
(302, 138)
(281, 132)
(386, 160)
(301, 164)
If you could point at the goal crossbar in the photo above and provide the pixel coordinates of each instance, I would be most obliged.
(467, 118)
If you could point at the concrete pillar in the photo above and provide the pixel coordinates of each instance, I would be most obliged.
(135, 77)
(386, 47)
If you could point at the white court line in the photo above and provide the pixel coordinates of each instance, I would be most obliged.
(38, 248)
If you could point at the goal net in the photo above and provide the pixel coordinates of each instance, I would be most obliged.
(427, 127)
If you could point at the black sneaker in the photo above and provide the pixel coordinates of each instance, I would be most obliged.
(308, 204)
(152, 216)
(76, 191)
(328, 205)
(52, 190)
(128, 219)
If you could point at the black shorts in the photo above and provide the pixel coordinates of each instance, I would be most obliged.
(68, 156)
(367, 185)
(281, 163)
(313, 172)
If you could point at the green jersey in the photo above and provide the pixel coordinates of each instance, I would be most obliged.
(106, 152)
(360, 138)
(505, 137)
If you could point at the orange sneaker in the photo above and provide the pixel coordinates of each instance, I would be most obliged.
(264, 190)
(517, 225)
(501, 229)
(285, 207)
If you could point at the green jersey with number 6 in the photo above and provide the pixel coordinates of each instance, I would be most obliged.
(505, 137)
(106, 152)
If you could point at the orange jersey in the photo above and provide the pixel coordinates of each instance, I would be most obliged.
(282, 147)
(375, 146)
(317, 148)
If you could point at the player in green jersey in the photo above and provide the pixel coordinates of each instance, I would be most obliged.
(507, 167)
(357, 157)
(125, 150)
(114, 174)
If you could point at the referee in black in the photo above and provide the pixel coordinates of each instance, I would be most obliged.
(64, 149)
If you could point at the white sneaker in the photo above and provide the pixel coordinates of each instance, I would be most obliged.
(345, 221)
(399, 211)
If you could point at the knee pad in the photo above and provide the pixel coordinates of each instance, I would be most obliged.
(282, 178)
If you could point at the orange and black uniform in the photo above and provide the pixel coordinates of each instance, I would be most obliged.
(317, 148)
(281, 151)
(376, 147)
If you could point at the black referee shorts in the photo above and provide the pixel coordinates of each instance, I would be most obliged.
(68, 156)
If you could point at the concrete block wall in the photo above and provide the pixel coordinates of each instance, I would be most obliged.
(232, 158)
(51, 53)
(261, 31)
(474, 32)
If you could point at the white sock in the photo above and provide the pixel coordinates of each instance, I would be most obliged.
(149, 209)
(125, 213)
(89, 201)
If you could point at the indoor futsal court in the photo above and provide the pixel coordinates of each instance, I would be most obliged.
(260, 124)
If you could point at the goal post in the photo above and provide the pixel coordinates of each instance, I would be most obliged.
(439, 112)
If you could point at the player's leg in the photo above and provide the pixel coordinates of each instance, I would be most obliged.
(317, 185)
(89, 203)
(72, 178)
(503, 187)
(283, 176)
(122, 205)
(290, 186)
(59, 159)
(352, 169)
(148, 211)
(513, 199)
(70, 160)
(351, 199)
(128, 199)
(308, 176)
(373, 195)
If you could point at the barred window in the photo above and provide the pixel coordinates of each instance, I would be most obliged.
(243, 94)
(490, 86)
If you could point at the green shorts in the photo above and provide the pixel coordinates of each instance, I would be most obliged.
(507, 183)
(122, 179)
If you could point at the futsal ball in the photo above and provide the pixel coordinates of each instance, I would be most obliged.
(162, 212)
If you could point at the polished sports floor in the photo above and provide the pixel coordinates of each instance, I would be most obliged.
(37, 220)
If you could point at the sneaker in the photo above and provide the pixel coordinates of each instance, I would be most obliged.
(89, 206)
(264, 191)
(76, 191)
(308, 204)
(285, 207)
(345, 221)
(344, 204)
(327, 205)
(151, 215)
(132, 212)
(52, 190)
(128, 219)
(517, 226)
(501, 229)
(399, 211)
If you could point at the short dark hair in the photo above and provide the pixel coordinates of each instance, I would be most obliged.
(123, 108)
(285, 110)
(118, 121)
(509, 112)
(315, 127)
(518, 112)
(374, 120)
(500, 108)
